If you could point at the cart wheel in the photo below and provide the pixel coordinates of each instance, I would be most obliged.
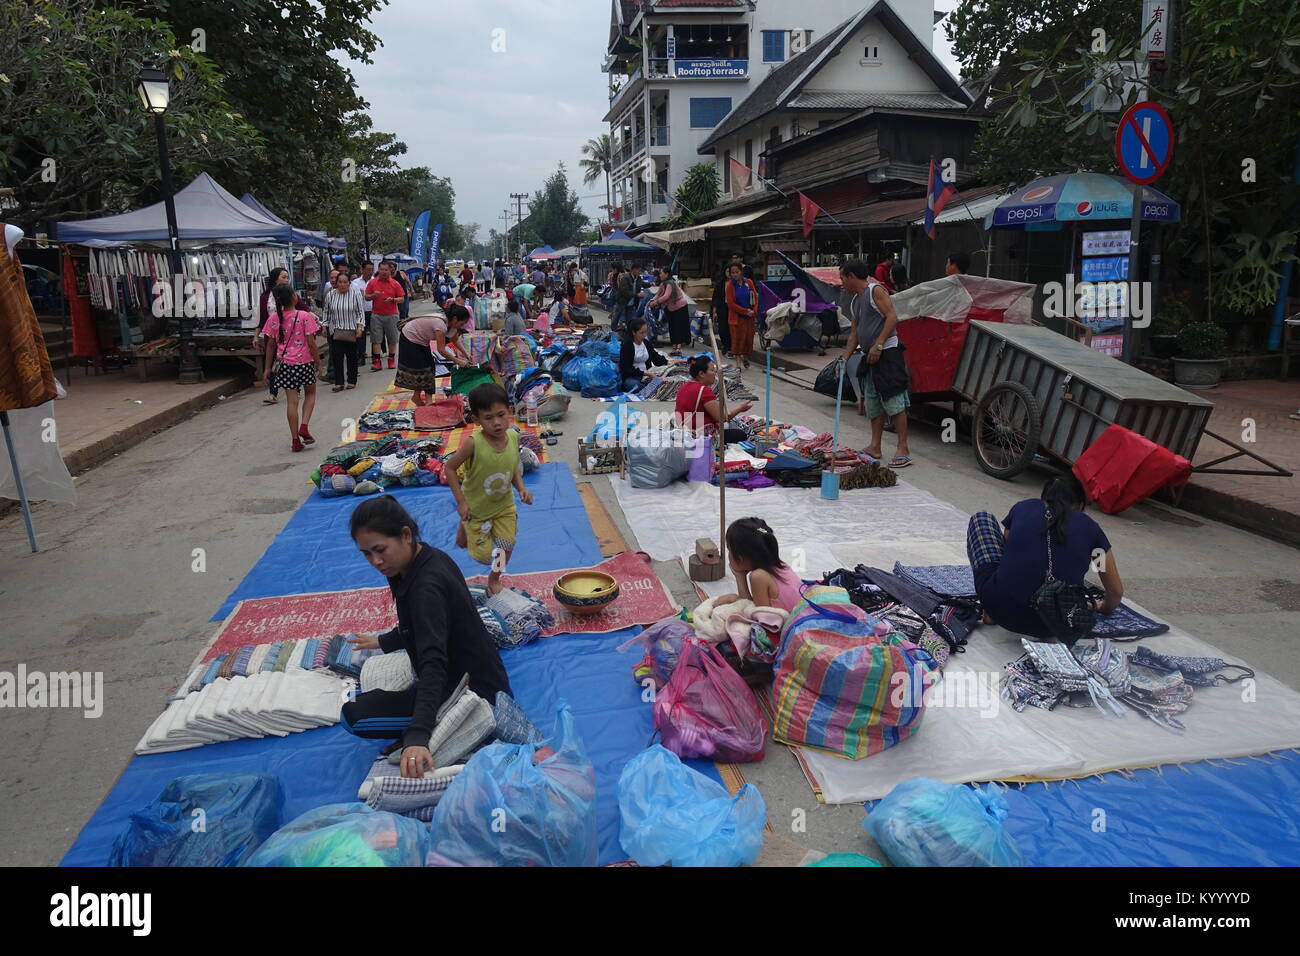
(1007, 426)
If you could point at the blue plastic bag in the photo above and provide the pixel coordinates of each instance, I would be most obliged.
(521, 805)
(239, 811)
(572, 374)
(345, 834)
(598, 377)
(924, 822)
(673, 814)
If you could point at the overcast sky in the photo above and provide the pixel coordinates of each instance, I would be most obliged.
(498, 122)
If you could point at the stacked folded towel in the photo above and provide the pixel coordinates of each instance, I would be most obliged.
(268, 703)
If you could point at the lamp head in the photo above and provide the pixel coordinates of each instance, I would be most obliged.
(154, 90)
(365, 204)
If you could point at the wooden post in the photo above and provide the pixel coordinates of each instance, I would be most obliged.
(721, 451)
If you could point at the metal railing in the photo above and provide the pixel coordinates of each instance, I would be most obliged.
(659, 136)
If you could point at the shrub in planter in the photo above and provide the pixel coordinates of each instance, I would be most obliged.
(1198, 358)
(1201, 340)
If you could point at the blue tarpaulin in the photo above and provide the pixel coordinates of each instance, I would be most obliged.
(315, 553)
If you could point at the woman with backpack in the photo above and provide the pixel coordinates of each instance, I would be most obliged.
(673, 301)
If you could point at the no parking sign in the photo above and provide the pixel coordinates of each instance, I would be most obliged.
(1144, 142)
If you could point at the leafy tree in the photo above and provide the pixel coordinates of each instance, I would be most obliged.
(697, 194)
(284, 63)
(555, 212)
(68, 94)
(1232, 89)
(598, 161)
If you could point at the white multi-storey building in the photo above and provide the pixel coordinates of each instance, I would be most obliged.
(678, 68)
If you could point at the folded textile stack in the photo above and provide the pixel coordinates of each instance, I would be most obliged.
(414, 797)
(396, 420)
(664, 387)
(513, 617)
(313, 653)
(269, 703)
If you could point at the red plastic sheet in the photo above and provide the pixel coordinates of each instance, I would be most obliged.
(1122, 468)
(933, 348)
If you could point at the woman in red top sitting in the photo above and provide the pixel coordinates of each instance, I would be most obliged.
(698, 408)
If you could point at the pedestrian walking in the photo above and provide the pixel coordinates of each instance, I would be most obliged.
(345, 318)
(385, 295)
(292, 360)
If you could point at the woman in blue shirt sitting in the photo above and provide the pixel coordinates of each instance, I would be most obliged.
(1010, 562)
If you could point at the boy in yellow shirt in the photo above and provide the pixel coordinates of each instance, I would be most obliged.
(485, 492)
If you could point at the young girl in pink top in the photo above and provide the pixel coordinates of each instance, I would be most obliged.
(761, 575)
(292, 351)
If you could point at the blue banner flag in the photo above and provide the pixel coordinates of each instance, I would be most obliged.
(434, 243)
(420, 237)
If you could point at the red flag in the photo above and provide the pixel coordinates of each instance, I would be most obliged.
(808, 212)
(740, 177)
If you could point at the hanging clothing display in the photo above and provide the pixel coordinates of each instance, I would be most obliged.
(219, 287)
(26, 378)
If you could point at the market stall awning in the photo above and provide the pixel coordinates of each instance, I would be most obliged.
(204, 212)
(698, 232)
(620, 241)
(898, 212)
(1046, 203)
(302, 237)
(967, 211)
(541, 252)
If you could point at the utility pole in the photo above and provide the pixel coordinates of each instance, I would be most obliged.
(519, 207)
(505, 239)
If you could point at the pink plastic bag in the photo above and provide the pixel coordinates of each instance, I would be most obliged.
(706, 710)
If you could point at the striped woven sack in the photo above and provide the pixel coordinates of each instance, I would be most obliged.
(844, 685)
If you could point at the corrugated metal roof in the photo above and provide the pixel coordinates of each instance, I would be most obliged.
(866, 99)
(903, 210)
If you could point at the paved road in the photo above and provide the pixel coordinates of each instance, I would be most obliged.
(115, 591)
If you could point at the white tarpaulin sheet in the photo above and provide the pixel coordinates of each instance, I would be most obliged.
(950, 299)
(968, 733)
(45, 476)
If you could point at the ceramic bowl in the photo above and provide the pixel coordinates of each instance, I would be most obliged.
(585, 592)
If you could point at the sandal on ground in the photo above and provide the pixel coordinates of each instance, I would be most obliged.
(337, 388)
(870, 458)
(350, 386)
(900, 461)
(270, 401)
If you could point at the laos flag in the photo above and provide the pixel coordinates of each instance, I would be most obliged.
(936, 197)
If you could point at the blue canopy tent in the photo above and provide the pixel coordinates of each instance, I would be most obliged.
(542, 252)
(301, 237)
(205, 214)
(619, 241)
(1048, 203)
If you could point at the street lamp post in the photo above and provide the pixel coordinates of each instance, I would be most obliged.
(365, 231)
(155, 94)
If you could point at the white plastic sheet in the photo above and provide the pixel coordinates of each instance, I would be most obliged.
(45, 476)
(969, 733)
(950, 298)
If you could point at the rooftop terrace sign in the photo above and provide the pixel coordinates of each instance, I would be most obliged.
(711, 69)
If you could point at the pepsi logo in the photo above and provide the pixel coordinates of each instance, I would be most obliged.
(1084, 208)
(1037, 193)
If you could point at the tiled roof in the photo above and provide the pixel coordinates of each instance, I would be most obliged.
(768, 95)
(865, 99)
(696, 3)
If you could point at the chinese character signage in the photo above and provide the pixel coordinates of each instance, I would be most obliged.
(1114, 243)
(1105, 269)
(1109, 344)
(1155, 23)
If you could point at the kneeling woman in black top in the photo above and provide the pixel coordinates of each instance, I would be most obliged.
(437, 625)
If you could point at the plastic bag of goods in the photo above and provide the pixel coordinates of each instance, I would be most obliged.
(924, 822)
(345, 834)
(521, 805)
(670, 813)
(239, 811)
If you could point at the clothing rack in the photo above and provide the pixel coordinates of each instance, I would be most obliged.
(231, 281)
